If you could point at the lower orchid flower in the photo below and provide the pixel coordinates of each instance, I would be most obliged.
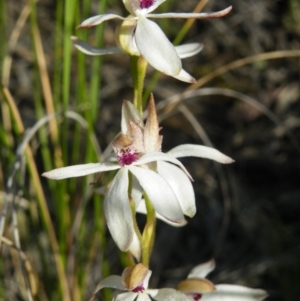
(143, 167)
(134, 281)
(197, 287)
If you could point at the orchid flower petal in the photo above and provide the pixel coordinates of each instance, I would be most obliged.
(185, 77)
(159, 192)
(91, 50)
(142, 209)
(188, 50)
(202, 270)
(129, 296)
(129, 112)
(135, 247)
(156, 48)
(181, 186)
(168, 294)
(227, 292)
(158, 156)
(135, 6)
(200, 151)
(96, 20)
(136, 192)
(144, 297)
(117, 211)
(113, 281)
(212, 15)
(79, 170)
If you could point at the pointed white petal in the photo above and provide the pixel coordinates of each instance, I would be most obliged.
(193, 150)
(142, 209)
(117, 211)
(181, 186)
(156, 48)
(159, 192)
(185, 77)
(135, 248)
(129, 111)
(168, 294)
(212, 15)
(152, 292)
(188, 50)
(135, 8)
(96, 20)
(79, 170)
(129, 296)
(113, 281)
(91, 50)
(202, 270)
(137, 191)
(227, 292)
(159, 156)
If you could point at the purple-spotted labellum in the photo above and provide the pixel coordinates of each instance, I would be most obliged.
(167, 183)
(146, 3)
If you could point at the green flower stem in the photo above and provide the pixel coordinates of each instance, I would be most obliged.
(138, 70)
(149, 232)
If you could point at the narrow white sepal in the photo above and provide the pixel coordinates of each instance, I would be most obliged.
(159, 156)
(91, 50)
(228, 292)
(169, 294)
(159, 192)
(137, 191)
(188, 50)
(181, 185)
(79, 170)
(142, 209)
(96, 20)
(200, 151)
(202, 270)
(211, 15)
(113, 281)
(135, 248)
(156, 48)
(185, 77)
(118, 212)
(130, 296)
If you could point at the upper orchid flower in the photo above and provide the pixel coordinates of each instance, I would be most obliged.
(199, 288)
(134, 281)
(161, 176)
(139, 36)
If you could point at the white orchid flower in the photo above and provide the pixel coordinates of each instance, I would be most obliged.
(134, 281)
(141, 37)
(160, 175)
(197, 287)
